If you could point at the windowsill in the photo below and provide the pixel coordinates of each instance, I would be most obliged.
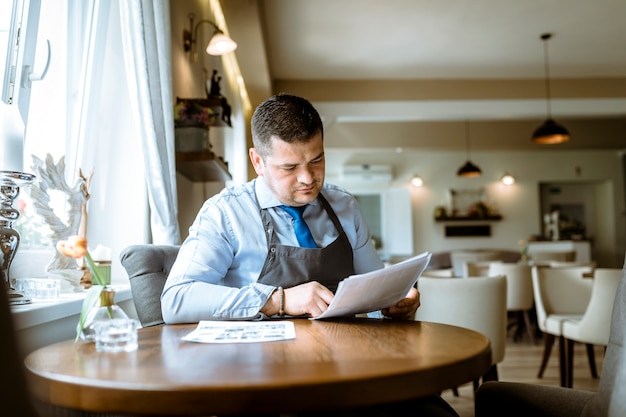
(67, 305)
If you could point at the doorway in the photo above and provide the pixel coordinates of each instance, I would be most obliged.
(586, 212)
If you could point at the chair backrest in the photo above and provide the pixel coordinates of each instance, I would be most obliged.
(478, 303)
(459, 257)
(595, 323)
(610, 399)
(148, 267)
(560, 291)
(519, 284)
(438, 273)
(477, 268)
(561, 256)
(569, 264)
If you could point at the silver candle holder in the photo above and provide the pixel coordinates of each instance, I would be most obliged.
(10, 182)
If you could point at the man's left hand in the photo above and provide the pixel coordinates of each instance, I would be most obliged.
(405, 309)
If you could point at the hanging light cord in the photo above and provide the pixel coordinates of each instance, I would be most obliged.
(467, 141)
(545, 37)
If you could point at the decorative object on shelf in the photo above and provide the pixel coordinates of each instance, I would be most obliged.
(470, 205)
(10, 182)
(99, 302)
(193, 113)
(219, 43)
(469, 170)
(523, 247)
(550, 132)
(440, 213)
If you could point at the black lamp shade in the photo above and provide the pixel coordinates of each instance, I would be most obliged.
(550, 133)
(469, 170)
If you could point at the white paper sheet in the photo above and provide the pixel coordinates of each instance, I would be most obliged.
(241, 331)
(375, 290)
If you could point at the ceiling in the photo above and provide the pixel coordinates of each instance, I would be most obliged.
(419, 72)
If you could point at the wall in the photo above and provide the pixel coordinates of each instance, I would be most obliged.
(519, 204)
(189, 82)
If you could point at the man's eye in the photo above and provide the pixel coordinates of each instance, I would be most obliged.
(289, 168)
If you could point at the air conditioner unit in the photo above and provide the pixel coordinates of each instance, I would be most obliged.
(366, 172)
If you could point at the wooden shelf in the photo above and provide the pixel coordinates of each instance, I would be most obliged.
(469, 219)
(202, 166)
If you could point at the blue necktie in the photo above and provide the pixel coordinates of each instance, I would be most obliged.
(303, 234)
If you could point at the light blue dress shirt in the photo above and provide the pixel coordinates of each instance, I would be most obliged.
(215, 274)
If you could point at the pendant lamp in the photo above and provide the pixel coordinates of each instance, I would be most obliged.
(469, 170)
(550, 132)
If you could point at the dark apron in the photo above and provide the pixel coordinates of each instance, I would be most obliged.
(288, 266)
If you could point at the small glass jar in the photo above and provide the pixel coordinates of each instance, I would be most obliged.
(106, 309)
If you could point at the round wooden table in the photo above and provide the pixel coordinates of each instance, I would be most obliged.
(330, 364)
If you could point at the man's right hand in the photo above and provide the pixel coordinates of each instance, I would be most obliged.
(310, 298)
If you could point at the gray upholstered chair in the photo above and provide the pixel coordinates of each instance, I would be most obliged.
(148, 267)
(518, 399)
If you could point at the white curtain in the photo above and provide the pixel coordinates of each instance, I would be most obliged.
(146, 39)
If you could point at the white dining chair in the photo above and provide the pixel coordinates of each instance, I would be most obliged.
(477, 268)
(594, 326)
(478, 303)
(560, 294)
(438, 273)
(459, 257)
(519, 292)
(548, 256)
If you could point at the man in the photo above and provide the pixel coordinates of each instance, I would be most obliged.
(242, 259)
(242, 245)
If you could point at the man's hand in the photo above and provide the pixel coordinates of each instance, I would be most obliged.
(310, 298)
(405, 309)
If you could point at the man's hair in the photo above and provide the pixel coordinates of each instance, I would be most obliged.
(287, 117)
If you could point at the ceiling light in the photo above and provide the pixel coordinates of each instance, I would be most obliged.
(549, 133)
(417, 181)
(219, 44)
(507, 179)
(469, 170)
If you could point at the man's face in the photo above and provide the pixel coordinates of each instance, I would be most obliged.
(293, 171)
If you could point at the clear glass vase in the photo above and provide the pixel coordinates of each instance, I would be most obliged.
(106, 309)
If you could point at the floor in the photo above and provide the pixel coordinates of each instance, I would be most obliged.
(521, 363)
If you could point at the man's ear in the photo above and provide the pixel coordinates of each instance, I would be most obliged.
(257, 161)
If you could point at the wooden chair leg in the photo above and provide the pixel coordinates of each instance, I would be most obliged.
(569, 367)
(529, 327)
(563, 360)
(548, 342)
(591, 357)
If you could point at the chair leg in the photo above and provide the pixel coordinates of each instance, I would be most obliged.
(591, 357)
(548, 342)
(564, 360)
(569, 368)
(529, 328)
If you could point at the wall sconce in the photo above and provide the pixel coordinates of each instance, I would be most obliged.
(550, 132)
(417, 181)
(507, 179)
(219, 44)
